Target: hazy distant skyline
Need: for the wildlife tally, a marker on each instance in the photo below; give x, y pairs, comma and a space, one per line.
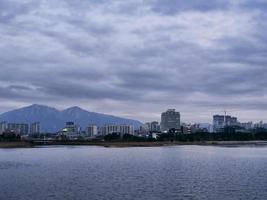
134, 58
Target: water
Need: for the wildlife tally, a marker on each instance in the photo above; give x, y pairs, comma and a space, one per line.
152, 173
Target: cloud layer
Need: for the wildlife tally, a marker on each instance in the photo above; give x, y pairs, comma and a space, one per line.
136, 58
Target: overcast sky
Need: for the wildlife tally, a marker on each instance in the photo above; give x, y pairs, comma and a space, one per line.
136, 58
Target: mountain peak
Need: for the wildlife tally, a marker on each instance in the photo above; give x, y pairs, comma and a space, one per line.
74, 109
37, 107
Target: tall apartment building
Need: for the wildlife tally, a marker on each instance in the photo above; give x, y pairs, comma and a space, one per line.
170, 120
3, 127
220, 121
35, 128
20, 129
230, 121
91, 131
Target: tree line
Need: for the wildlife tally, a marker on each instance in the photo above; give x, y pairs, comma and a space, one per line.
9, 136
226, 135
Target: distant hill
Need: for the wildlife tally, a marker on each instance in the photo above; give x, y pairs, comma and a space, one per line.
53, 120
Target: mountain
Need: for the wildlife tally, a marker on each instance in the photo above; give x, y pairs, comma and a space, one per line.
53, 120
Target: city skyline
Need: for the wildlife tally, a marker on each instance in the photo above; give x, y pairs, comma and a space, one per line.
205, 115
170, 122
136, 58
37, 108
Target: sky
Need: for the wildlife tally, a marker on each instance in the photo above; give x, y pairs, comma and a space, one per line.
136, 58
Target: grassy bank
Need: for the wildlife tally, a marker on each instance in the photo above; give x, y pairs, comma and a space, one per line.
15, 144
150, 144
25, 144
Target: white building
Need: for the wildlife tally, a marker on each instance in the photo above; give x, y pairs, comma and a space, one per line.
91, 131
120, 129
71, 131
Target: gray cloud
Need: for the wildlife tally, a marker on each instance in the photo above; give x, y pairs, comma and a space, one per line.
135, 58
175, 6
10, 10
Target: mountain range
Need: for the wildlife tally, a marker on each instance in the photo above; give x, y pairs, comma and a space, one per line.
53, 120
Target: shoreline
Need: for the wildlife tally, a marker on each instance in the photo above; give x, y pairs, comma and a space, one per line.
32, 144
15, 144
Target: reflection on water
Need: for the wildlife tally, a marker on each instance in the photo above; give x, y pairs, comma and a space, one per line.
180, 172
9, 165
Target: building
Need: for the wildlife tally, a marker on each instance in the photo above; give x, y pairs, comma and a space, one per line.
91, 131
147, 126
186, 128
119, 129
260, 125
201, 127
220, 121
247, 125
72, 127
20, 129
153, 126
3, 127
170, 120
230, 121
71, 131
35, 128
142, 131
